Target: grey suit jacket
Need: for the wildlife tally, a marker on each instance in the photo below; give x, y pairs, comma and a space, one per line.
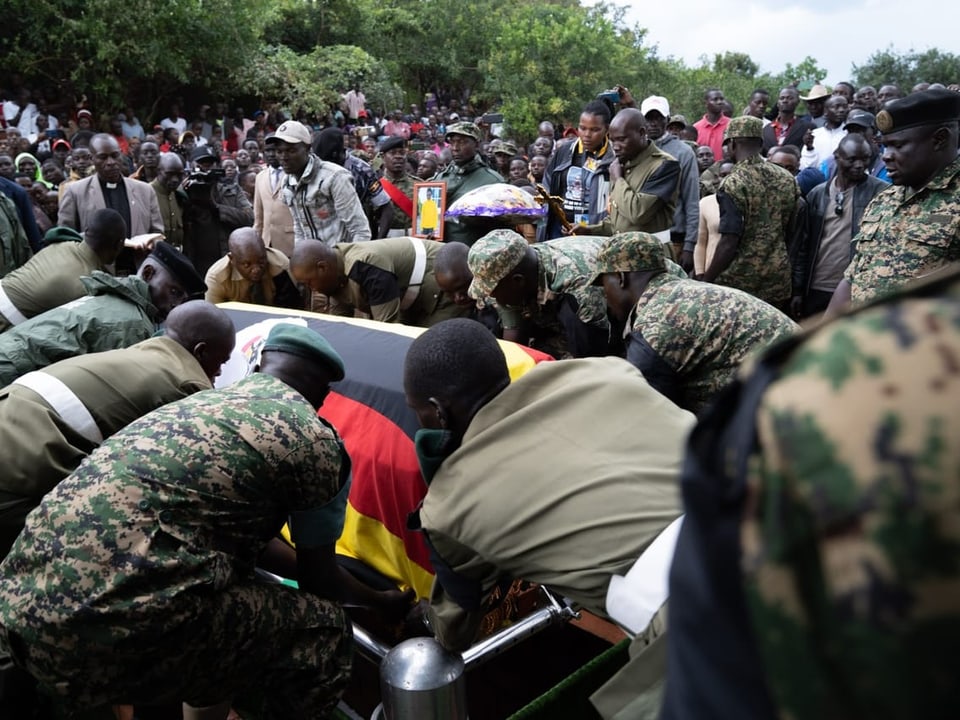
84, 197
271, 218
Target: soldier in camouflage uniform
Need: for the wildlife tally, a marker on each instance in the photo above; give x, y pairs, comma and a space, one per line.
914, 227
134, 579
543, 292
819, 549
687, 338
758, 208
53, 418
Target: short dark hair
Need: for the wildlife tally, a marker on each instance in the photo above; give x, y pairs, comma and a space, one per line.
454, 359
598, 108
759, 91
788, 149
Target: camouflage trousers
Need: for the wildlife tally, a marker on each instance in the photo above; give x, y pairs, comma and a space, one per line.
292, 649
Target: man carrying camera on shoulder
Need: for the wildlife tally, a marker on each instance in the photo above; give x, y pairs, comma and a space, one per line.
213, 210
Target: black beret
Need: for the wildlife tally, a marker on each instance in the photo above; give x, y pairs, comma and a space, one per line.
929, 107
392, 143
180, 267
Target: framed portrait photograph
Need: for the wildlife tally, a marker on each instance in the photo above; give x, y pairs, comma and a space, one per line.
429, 207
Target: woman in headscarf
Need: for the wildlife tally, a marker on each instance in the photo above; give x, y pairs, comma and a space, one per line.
27, 163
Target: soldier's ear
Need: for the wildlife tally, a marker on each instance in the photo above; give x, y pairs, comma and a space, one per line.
198, 351
940, 136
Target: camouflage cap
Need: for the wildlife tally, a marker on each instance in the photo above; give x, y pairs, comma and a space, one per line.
629, 252
305, 343
929, 107
745, 126
467, 129
505, 147
492, 258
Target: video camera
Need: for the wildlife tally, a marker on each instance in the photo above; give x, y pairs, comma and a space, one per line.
205, 177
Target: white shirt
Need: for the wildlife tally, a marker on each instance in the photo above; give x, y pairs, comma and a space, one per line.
825, 141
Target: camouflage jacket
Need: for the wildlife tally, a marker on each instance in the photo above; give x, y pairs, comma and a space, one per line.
566, 266
688, 338
765, 197
167, 513
904, 236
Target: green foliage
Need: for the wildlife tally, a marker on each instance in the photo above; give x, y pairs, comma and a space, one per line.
806, 74
100, 46
887, 66
313, 82
549, 60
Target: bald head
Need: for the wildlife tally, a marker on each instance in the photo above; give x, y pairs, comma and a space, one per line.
247, 253
628, 134
205, 331
105, 234
452, 256
314, 264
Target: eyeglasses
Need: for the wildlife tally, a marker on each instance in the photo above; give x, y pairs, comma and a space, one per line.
840, 198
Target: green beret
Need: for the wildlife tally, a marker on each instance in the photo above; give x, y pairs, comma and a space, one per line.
492, 258
306, 343
930, 107
629, 252
180, 267
745, 126
464, 128
61, 234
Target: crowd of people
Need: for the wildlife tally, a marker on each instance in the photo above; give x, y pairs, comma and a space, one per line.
817, 466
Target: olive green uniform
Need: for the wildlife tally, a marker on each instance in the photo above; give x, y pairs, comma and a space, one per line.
50, 278
40, 445
378, 275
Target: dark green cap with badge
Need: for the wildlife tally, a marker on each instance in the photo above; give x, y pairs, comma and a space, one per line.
629, 252
492, 258
930, 107
464, 128
306, 343
180, 267
745, 126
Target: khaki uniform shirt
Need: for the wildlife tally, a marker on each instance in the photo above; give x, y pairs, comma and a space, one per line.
224, 283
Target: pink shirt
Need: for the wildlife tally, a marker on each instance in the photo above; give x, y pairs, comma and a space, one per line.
711, 134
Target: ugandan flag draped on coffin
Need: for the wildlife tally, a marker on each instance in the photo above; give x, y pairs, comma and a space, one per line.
369, 411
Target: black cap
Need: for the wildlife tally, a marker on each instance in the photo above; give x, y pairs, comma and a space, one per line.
180, 267
204, 152
929, 107
861, 118
392, 143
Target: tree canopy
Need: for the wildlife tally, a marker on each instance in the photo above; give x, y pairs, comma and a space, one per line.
532, 59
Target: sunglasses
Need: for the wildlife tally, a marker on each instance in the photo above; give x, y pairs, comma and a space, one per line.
840, 198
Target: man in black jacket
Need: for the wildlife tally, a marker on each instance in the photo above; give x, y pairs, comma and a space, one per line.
834, 209
787, 128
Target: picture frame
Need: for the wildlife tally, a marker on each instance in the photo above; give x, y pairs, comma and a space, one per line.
429, 208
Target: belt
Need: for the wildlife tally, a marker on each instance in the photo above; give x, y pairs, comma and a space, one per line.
64, 402
9, 310
416, 277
